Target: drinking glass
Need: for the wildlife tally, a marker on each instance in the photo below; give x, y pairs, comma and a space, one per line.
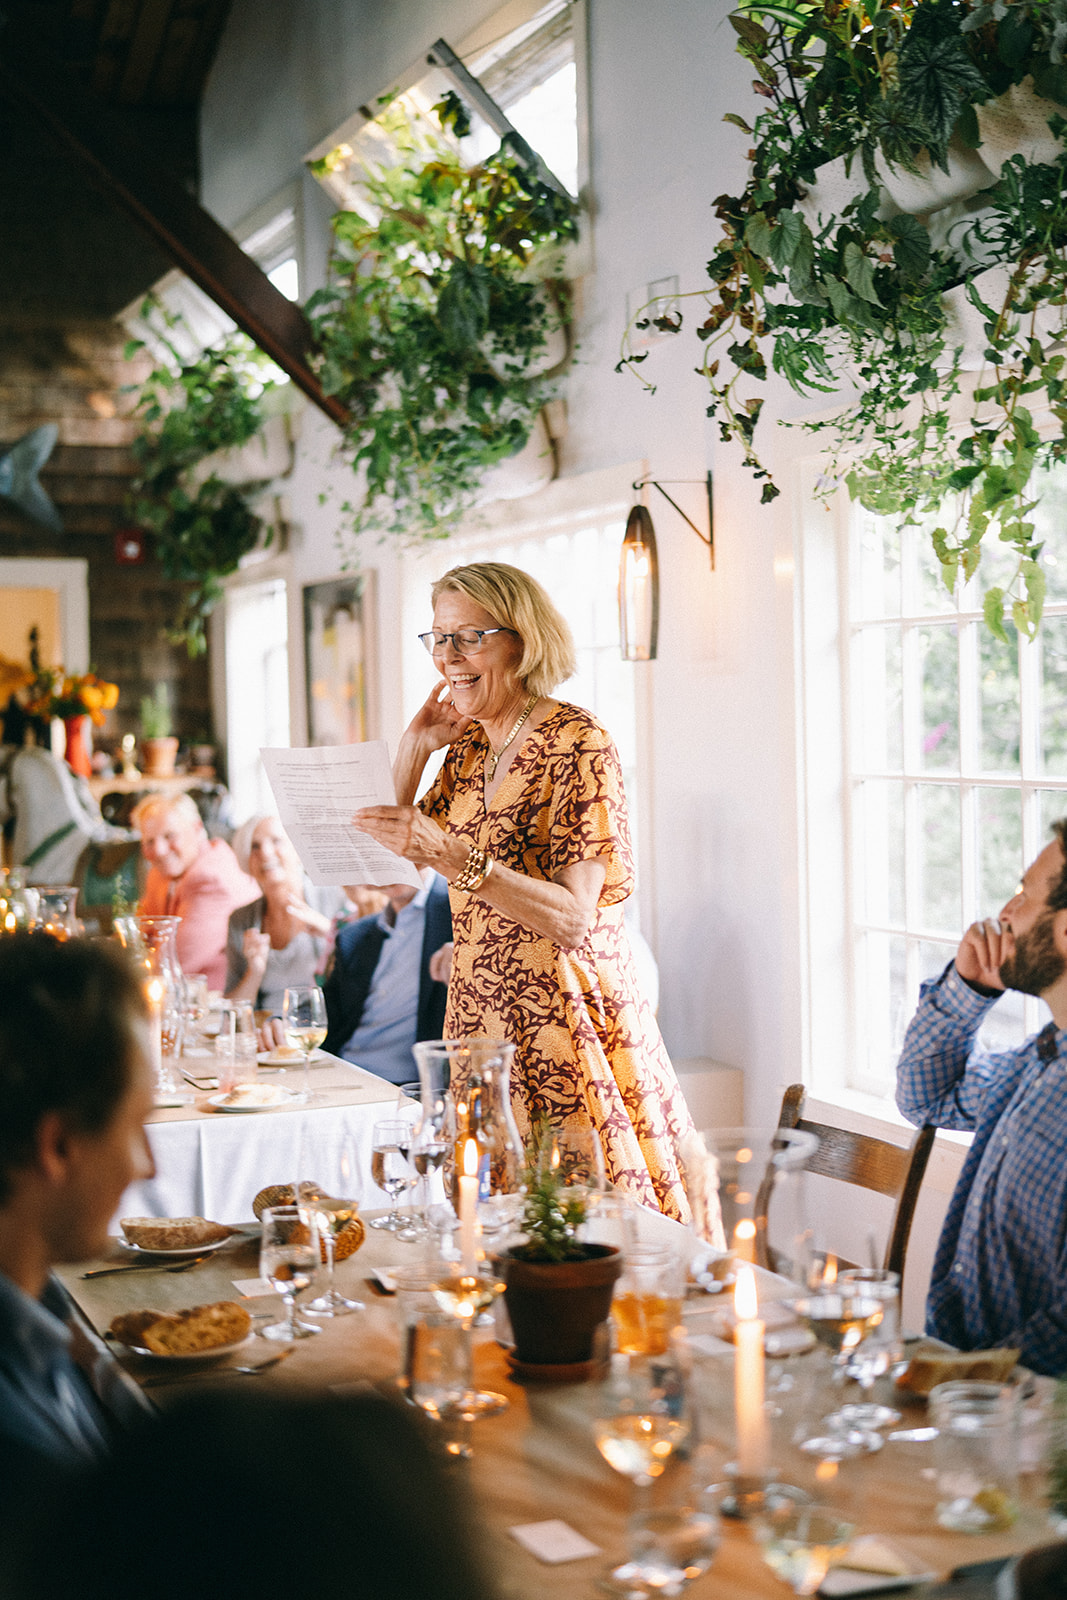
328, 1214
464, 1296
304, 1020
433, 1140
840, 1320
236, 1062
642, 1420
877, 1350
392, 1171
798, 1540
976, 1455
289, 1260
648, 1300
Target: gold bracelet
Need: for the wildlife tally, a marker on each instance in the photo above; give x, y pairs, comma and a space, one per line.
474, 871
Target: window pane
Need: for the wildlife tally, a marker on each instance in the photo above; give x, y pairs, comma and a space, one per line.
925, 582
940, 741
880, 838
879, 740
1053, 807
877, 569
1050, 523
1053, 640
934, 957
881, 967
1004, 1027
998, 699
1000, 847
939, 862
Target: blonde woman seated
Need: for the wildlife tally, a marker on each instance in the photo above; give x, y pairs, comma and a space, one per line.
282, 939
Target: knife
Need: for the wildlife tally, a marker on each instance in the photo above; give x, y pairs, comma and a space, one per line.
181, 1266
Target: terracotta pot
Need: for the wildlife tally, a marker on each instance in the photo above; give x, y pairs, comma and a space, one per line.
76, 753
556, 1306
158, 756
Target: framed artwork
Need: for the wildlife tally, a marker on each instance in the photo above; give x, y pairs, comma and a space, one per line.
337, 634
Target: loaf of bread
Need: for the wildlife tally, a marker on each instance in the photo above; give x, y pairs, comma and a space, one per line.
930, 1366
172, 1233
179, 1333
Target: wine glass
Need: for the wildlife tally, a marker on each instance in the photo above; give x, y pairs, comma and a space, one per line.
874, 1354
642, 1420
304, 1020
840, 1320
392, 1171
289, 1260
431, 1145
328, 1214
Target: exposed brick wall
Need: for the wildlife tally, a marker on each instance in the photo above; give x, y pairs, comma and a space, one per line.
72, 373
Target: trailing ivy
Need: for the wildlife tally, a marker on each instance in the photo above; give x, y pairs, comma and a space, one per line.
443, 290
192, 408
856, 298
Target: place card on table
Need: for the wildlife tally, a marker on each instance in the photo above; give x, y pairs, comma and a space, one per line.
252, 1288
554, 1542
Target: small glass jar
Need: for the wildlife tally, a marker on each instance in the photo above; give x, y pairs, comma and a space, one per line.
976, 1455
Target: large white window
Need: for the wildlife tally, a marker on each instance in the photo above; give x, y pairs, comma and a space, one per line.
953, 762
257, 689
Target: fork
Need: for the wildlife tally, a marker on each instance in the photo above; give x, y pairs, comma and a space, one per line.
250, 1369
180, 1266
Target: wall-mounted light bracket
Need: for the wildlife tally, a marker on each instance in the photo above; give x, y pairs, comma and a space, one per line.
705, 538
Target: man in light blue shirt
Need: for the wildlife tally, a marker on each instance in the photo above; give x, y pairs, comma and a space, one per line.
75, 1089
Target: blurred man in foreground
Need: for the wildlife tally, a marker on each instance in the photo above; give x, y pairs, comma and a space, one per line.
75, 1088
1000, 1273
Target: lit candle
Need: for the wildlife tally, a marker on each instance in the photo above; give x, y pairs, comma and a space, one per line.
468, 1207
748, 1379
154, 992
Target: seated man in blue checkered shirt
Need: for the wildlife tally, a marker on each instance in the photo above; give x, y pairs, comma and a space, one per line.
1000, 1273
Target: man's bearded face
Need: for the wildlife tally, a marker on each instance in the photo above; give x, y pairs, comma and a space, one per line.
1036, 964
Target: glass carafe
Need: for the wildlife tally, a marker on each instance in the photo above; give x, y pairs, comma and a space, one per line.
151, 943
55, 911
477, 1073
18, 903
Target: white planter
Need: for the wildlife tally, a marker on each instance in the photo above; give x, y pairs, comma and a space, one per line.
531, 469
966, 325
927, 189
556, 353
266, 456
1017, 124
832, 191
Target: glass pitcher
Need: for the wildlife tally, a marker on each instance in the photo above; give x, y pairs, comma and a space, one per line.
151, 944
476, 1073
55, 911
18, 903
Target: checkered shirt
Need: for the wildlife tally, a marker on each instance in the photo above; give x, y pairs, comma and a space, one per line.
1000, 1272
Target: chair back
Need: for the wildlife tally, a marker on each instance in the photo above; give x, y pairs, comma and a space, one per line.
867, 1162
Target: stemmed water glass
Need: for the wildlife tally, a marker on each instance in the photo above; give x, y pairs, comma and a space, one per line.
392, 1171
304, 1020
328, 1214
642, 1420
289, 1260
871, 1355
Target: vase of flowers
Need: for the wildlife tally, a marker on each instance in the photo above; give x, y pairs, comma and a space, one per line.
77, 699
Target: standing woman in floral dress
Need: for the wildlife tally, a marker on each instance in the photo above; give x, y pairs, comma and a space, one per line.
527, 821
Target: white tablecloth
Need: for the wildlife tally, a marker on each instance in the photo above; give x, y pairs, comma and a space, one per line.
212, 1164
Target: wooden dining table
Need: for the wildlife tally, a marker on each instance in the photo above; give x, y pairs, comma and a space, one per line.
536, 1461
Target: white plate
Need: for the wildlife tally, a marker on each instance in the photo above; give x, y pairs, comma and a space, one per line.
222, 1102
271, 1058
186, 1250
192, 1355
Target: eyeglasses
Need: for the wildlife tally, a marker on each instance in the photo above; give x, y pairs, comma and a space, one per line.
465, 641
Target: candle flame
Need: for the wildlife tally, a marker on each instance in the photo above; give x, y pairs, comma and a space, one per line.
746, 1304
155, 990
746, 1229
829, 1271
470, 1158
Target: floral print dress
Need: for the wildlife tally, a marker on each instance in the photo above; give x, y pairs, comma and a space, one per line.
587, 1044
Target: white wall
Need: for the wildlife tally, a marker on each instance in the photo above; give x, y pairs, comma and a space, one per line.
722, 781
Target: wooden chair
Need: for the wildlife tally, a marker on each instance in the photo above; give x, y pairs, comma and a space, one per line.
859, 1159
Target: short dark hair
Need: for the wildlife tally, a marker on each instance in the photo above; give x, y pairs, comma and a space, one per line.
1057, 895
66, 1037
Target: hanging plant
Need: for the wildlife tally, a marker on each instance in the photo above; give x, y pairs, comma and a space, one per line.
831, 275
200, 526
444, 289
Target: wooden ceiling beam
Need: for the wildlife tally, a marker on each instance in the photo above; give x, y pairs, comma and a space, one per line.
141, 61
189, 234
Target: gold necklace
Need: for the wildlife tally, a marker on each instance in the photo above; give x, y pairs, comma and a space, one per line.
493, 757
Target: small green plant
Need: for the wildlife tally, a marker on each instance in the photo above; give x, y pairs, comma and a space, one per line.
157, 722
551, 1216
444, 287
191, 408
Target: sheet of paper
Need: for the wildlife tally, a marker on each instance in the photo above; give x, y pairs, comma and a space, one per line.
317, 791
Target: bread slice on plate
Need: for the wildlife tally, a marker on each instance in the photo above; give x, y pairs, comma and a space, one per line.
931, 1365
172, 1233
183, 1333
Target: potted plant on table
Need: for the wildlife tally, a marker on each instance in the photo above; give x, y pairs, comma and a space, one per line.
159, 747
903, 237
558, 1286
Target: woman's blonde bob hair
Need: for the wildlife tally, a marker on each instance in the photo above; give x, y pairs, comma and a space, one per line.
518, 602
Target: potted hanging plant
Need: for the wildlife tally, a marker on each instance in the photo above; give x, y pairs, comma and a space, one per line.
904, 226
436, 328
558, 1287
198, 410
